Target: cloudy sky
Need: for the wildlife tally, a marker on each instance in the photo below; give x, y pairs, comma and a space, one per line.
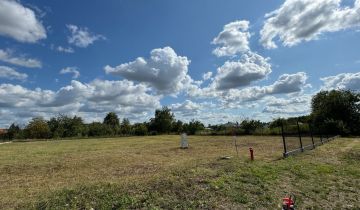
216, 61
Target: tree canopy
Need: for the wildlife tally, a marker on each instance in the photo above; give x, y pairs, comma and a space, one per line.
113, 122
37, 129
163, 120
337, 111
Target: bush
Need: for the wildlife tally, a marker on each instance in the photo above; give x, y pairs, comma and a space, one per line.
126, 127
250, 126
193, 126
63, 126
98, 129
37, 129
140, 129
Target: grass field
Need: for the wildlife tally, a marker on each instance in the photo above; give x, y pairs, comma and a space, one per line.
153, 173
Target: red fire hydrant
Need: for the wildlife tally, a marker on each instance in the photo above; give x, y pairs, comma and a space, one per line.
251, 153
288, 203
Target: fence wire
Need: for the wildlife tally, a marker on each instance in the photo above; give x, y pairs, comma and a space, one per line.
300, 137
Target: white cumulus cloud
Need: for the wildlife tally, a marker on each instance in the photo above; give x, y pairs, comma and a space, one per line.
8, 57
164, 70
11, 74
233, 39
186, 108
207, 75
65, 49
288, 83
348, 81
288, 106
304, 20
285, 84
71, 70
85, 99
19, 22
233, 74
81, 36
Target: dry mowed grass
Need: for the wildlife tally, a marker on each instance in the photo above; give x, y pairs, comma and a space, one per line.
32, 170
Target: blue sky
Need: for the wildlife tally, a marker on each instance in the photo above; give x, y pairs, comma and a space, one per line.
82, 57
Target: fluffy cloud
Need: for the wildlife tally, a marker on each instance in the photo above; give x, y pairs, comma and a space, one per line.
82, 37
244, 95
286, 110
288, 106
286, 83
16, 96
249, 68
124, 93
187, 108
304, 20
233, 39
65, 49
19, 22
9, 73
164, 70
206, 112
71, 70
84, 99
76, 92
207, 75
8, 57
342, 81
278, 102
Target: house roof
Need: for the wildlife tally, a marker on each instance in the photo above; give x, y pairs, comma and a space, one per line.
2, 130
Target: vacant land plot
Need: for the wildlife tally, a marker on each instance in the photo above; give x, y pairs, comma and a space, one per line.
152, 172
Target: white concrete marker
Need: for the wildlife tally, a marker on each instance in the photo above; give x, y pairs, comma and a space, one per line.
184, 142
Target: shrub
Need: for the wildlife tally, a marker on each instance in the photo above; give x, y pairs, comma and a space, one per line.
37, 129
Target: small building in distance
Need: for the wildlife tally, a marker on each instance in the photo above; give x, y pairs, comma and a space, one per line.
3, 131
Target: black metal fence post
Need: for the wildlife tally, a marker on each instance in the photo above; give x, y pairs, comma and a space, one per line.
283, 137
301, 145
321, 138
314, 133
312, 136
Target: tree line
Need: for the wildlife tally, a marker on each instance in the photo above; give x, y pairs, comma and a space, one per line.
332, 112
63, 126
335, 112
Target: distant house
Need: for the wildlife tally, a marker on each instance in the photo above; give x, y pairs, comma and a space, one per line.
3, 131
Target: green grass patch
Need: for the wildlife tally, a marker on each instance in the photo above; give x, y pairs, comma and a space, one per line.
153, 173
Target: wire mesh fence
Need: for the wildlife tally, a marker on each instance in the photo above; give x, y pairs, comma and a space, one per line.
300, 137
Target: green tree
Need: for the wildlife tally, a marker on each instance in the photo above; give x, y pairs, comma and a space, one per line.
112, 121
98, 129
163, 120
125, 127
63, 126
177, 126
276, 123
193, 126
249, 126
74, 127
56, 126
37, 129
140, 129
336, 111
13, 131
